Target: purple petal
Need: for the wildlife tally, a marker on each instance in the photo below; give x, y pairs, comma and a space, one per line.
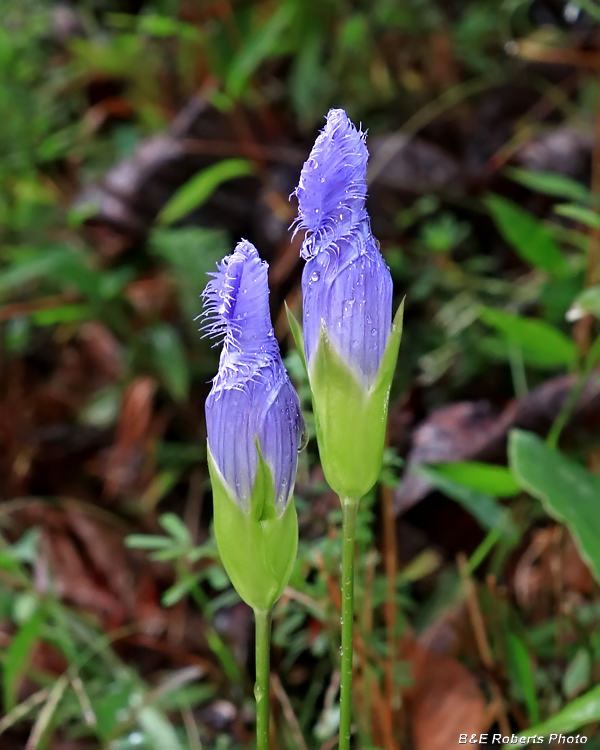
332, 189
347, 286
251, 394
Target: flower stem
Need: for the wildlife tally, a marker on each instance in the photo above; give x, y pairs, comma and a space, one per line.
261, 686
349, 508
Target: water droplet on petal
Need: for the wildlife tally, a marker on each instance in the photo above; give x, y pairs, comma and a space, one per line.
373, 331
314, 276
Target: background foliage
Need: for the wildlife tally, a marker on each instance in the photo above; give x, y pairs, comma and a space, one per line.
138, 142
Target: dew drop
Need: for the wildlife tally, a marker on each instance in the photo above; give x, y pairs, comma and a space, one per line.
314, 276
373, 331
283, 482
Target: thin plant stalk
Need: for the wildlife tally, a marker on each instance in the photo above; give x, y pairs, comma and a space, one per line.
261, 686
349, 509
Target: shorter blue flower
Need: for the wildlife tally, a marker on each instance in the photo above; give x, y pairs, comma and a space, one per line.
251, 398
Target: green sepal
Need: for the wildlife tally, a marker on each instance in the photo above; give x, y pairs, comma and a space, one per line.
297, 334
350, 420
257, 546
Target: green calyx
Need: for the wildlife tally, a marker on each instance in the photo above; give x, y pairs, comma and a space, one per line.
350, 420
257, 546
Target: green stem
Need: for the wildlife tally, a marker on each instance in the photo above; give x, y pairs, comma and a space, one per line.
261, 686
349, 508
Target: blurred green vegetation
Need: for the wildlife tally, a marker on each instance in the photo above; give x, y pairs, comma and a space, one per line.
118, 627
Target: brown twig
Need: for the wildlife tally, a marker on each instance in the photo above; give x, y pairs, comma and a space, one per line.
288, 711
483, 647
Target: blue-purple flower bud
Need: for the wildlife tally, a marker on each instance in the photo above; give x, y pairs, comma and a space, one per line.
347, 287
252, 398
350, 342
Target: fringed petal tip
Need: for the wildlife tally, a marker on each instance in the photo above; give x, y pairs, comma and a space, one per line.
239, 273
333, 183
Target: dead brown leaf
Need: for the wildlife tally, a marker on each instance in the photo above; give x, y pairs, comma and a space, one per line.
444, 702
125, 460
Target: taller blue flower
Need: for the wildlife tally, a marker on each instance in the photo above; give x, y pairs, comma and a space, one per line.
350, 342
254, 429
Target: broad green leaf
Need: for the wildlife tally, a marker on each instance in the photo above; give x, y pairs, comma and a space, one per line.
568, 491
579, 213
485, 509
532, 240
550, 183
496, 481
521, 672
170, 360
201, 186
578, 713
541, 344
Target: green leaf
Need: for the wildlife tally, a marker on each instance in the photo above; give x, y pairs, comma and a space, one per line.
170, 360
588, 301
522, 674
578, 713
550, 183
541, 344
61, 314
485, 509
578, 213
297, 334
30, 265
258, 48
17, 657
176, 592
568, 491
174, 526
532, 240
158, 730
189, 253
201, 186
496, 481
578, 673
147, 541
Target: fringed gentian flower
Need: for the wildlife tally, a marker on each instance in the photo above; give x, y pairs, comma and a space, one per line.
254, 429
350, 342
